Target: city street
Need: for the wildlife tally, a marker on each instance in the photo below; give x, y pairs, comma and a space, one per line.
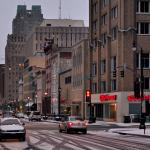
45, 136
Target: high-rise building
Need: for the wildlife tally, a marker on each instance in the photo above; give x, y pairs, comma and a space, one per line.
15, 52
63, 33
2, 85
114, 26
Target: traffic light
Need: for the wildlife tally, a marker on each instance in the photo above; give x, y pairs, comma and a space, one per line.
122, 73
137, 89
114, 73
88, 96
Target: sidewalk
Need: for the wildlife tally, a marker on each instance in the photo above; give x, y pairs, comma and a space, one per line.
132, 131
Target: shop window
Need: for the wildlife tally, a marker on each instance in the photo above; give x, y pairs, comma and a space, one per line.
134, 108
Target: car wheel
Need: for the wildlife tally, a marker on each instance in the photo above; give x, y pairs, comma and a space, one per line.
60, 130
68, 131
85, 132
23, 138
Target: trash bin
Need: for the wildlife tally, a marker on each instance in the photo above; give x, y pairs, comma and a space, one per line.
127, 119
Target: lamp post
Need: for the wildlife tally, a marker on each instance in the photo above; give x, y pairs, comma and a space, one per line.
45, 102
36, 101
59, 93
141, 91
28, 104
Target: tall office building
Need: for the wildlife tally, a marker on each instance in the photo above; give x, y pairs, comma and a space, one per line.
15, 51
2, 85
114, 26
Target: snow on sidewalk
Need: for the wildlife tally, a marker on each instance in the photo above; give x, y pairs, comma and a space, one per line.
134, 131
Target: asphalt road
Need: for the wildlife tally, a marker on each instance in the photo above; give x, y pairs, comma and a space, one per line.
45, 136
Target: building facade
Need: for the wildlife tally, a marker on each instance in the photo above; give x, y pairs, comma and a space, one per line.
80, 78
32, 66
15, 52
2, 85
114, 64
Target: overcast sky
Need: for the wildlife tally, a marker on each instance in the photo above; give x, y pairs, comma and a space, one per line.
73, 9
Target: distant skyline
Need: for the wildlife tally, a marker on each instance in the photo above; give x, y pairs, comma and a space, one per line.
70, 9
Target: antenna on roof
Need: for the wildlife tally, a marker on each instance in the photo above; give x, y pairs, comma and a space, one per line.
59, 9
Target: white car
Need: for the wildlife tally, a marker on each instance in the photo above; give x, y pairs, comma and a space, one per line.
35, 115
73, 123
12, 128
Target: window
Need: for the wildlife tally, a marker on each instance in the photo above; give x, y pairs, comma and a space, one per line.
113, 85
68, 80
94, 87
114, 12
114, 33
113, 63
103, 38
103, 66
94, 69
145, 60
103, 19
143, 6
103, 86
146, 83
143, 28
104, 3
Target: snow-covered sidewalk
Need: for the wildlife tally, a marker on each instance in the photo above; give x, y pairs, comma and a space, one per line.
132, 131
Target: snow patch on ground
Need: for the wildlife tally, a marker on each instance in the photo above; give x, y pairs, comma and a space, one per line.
45, 146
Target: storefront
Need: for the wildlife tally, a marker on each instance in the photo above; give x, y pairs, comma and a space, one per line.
115, 106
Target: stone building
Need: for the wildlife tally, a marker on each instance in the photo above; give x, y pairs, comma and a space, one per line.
114, 27
15, 52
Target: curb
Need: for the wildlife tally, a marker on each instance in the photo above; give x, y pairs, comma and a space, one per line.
122, 133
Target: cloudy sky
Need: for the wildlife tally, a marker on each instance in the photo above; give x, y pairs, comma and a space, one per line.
73, 9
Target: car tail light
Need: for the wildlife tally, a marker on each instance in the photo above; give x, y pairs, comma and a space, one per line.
70, 124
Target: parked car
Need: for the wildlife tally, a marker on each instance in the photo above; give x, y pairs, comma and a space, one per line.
20, 115
73, 123
35, 115
12, 128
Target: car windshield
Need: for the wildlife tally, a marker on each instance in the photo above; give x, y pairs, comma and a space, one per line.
10, 122
75, 118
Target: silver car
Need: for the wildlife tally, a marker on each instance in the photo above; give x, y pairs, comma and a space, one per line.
12, 128
73, 123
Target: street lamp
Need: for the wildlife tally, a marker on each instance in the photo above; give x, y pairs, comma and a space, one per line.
36, 101
45, 104
142, 118
59, 93
28, 104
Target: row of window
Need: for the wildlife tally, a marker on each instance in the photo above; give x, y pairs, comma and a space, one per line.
103, 86
145, 63
103, 66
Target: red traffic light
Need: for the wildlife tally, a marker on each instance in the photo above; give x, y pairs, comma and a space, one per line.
88, 93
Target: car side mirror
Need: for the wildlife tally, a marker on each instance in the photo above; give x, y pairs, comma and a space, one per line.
23, 123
